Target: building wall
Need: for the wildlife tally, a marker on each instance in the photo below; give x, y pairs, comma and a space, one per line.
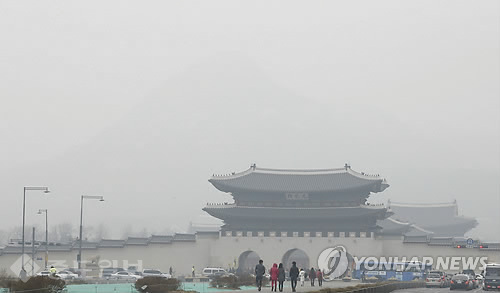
210, 251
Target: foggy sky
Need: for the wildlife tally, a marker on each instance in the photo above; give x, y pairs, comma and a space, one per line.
143, 101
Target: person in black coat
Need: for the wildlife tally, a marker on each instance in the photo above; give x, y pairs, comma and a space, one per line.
260, 270
294, 274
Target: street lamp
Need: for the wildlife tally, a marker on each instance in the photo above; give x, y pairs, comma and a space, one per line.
41, 211
27, 188
98, 197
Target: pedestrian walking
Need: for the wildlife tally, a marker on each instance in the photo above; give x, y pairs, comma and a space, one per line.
294, 274
192, 271
281, 277
312, 276
260, 270
273, 273
319, 276
302, 277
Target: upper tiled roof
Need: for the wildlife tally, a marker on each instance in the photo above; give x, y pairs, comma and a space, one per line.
275, 180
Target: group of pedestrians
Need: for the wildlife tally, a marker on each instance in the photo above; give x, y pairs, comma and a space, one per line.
313, 275
278, 275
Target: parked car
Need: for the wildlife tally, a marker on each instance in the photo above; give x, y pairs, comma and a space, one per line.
67, 275
435, 280
213, 272
44, 273
154, 273
124, 275
107, 272
461, 281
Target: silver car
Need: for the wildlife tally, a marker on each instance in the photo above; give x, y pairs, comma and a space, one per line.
434, 280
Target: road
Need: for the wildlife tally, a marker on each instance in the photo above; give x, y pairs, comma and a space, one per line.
436, 290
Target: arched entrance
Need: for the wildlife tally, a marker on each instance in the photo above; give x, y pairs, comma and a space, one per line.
297, 255
247, 262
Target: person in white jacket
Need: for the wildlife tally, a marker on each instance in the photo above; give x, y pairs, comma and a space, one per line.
302, 277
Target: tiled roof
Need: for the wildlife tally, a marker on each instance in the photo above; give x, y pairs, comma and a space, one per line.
275, 180
391, 226
415, 239
161, 239
428, 216
184, 237
137, 241
57, 247
15, 249
228, 211
86, 245
442, 241
111, 243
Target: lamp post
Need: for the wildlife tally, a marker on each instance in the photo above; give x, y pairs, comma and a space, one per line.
98, 197
27, 188
41, 211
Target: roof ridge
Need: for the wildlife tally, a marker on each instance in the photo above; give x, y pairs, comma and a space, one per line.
253, 168
422, 205
300, 170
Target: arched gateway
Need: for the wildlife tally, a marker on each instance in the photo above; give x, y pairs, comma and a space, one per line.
297, 255
247, 261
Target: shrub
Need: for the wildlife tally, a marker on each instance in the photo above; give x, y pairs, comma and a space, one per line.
38, 284
5, 279
230, 281
235, 281
157, 284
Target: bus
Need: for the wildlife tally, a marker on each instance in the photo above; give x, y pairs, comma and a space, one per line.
398, 271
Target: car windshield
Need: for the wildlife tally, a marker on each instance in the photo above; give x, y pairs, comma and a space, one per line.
434, 276
152, 272
460, 277
492, 272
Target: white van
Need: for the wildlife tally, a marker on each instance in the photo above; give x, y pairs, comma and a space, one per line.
210, 272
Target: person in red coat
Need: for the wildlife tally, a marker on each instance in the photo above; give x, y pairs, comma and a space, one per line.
274, 277
319, 276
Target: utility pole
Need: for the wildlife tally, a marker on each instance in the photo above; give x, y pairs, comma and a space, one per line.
33, 253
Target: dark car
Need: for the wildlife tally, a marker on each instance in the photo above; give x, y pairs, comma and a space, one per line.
461, 281
472, 274
491, 278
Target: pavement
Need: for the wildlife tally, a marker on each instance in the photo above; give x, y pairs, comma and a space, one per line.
306, 288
